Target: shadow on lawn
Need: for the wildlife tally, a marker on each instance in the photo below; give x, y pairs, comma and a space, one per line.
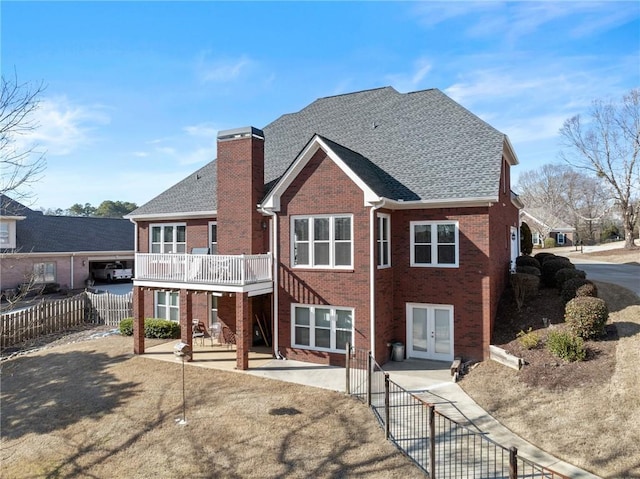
63, 388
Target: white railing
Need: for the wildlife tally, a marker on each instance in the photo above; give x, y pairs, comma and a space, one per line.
234, 270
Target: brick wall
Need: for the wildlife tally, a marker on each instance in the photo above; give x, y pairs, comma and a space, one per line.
467, 287
322, 188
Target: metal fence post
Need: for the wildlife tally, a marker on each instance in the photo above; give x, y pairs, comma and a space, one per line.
347, 367
387, 406
513, 462
432, 441
369, 378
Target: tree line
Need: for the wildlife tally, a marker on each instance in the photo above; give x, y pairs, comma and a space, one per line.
106, 209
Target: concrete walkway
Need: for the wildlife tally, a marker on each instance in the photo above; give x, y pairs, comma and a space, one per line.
429, 380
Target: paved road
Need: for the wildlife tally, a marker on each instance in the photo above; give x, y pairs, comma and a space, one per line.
625, 275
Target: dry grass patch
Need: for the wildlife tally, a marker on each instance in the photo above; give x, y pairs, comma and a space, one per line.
587, 414
92, 409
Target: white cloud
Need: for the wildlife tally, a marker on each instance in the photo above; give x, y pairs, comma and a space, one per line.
140, 154
64, 126
221, 70
405, 82
206, 130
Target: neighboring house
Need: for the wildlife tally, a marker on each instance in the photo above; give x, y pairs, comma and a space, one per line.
57, 249
545, 225
366, 218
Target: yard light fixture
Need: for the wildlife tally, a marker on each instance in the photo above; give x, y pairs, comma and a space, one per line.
182, 350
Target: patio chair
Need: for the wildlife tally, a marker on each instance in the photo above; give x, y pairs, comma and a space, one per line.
214, 332
228, 337
198, 331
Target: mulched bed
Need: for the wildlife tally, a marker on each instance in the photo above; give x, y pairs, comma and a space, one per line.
543, 369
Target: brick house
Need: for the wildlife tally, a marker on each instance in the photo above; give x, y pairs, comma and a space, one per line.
545, 225
366, 218
57, 250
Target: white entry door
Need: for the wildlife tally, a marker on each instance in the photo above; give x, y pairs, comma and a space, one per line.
515, 247
430, 331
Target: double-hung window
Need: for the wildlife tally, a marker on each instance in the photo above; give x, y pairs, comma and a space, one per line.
213, 237
325, 328
561, 238
44, 272
434, 243
167, 305
168, 238
384, 241
322, 241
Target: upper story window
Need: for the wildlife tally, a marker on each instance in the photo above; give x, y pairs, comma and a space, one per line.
5, 239
169, 238
434, 243
322, 241
213, 237
384, 240
44, 272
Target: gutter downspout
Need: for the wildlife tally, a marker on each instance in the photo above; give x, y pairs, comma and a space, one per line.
274, 249
372, 275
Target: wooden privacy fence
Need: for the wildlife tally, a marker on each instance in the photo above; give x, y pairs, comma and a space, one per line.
54, 316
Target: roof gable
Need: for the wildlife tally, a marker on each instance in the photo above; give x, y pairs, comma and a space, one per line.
344, 158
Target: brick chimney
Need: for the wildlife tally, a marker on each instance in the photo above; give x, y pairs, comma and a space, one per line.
240, 189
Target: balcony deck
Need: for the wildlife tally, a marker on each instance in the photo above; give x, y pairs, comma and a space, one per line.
207, 272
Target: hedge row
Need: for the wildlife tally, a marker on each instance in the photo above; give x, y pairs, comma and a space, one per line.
153, 328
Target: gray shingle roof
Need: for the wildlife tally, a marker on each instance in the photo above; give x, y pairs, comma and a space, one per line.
412, 146
39, 233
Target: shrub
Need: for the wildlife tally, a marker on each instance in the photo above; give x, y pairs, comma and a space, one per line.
566, 346
161, 328
541, 257
586, 316
549, 242
571, 286
587, 289
550, 267
565, 274
528, 270
126, 327
524, 286
526, 239
153, 328
527, 261
528, 340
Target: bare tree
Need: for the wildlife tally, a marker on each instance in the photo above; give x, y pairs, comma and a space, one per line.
20, 163
608, 144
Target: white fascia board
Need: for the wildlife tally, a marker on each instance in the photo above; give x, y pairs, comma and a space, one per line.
173, 216
511, 156
444, 203
12, 218
272, 201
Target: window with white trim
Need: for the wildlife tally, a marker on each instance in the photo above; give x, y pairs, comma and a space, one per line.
322, 241
561, 238
167, 305
536, 238
44, 272
168, 238
213, 237
384, 240
325, 328
5, 239
434, 244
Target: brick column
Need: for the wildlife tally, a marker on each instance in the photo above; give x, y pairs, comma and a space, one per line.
186, 315
138, 320
243, 330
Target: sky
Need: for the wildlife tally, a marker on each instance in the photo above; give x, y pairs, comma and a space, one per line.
137, 91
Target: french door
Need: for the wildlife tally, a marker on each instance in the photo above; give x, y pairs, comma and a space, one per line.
430, 331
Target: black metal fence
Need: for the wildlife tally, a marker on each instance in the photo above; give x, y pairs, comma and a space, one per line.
441, 447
